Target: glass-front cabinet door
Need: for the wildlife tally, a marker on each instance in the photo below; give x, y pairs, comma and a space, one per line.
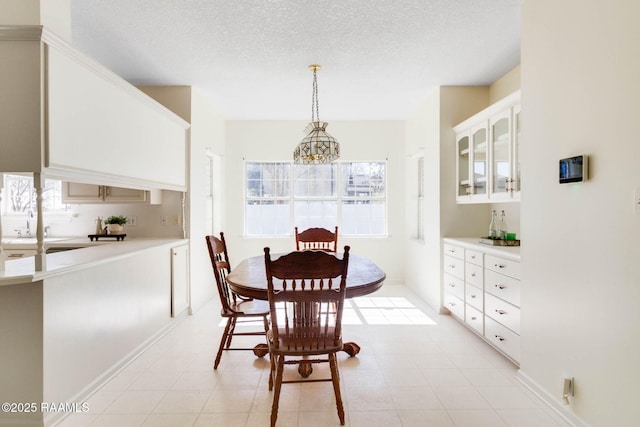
516, 182
480, 168
488, 153
463, 167
501, 166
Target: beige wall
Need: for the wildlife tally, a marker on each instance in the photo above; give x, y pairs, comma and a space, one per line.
505, 85
207, 134
54, 14
580, 274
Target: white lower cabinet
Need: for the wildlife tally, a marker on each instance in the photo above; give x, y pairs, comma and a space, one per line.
19, 253
481, 288
474, 319
455, 305
502, 338
180, 298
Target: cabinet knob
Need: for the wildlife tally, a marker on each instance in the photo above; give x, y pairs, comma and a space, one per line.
473, 296
499, 337
452, 266
452, 304
501, 312
500, 286
452, 285
473, 317
473, 274
499, 265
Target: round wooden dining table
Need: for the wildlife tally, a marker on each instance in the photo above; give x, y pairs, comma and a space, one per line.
249, 279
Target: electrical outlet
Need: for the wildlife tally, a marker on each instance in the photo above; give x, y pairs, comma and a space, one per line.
176, 220
164, 221
568, 385
133, 221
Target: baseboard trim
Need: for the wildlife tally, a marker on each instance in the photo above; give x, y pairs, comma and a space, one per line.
552, 401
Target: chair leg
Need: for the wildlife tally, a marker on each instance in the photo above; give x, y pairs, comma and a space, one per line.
335, 379
272, 370
225, 335
232, 329
276, 393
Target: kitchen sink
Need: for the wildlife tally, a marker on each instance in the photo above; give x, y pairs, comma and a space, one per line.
62, 249
31, 240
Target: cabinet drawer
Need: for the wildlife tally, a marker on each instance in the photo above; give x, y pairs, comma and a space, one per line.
502, 338
474, 319
19, 253
504, 287
474, 296
473, 274
454, 251
503, 312
502, 266
454, 267
474, 257
454, 286
454, 304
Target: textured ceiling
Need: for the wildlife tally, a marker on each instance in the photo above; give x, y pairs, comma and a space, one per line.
380, 58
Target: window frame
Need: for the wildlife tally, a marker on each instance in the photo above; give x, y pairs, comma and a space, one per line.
7, 209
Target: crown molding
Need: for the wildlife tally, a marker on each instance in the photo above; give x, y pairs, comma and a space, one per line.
20, 32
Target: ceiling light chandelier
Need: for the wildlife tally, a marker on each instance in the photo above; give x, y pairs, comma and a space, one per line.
318, 146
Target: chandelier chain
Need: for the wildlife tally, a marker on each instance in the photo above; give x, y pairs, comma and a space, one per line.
314, 99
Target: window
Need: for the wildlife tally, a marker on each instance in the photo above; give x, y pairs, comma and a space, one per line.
281, 196
420, 198
20, 196
268, 199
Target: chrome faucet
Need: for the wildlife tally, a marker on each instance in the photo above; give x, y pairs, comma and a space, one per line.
29, 218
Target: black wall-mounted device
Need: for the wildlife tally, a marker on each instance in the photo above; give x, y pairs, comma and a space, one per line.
574, 169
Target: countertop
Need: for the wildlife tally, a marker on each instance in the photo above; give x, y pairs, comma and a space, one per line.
51, 242
508, 252
22, 270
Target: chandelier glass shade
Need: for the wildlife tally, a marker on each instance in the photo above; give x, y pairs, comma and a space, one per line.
318, 146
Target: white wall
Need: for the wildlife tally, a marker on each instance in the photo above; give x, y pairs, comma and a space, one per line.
207, 134
580, 270
430, 129
359, 141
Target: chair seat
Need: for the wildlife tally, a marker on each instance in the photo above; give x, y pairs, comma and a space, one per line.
307, 345
247, 308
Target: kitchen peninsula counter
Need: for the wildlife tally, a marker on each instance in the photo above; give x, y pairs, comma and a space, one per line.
67, 330
89, 254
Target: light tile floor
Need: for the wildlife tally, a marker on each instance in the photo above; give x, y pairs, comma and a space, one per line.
416, 368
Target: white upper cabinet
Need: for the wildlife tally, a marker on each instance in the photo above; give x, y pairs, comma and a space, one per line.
69, 117
488, 167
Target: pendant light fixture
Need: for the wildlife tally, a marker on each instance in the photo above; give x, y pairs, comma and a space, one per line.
318, 146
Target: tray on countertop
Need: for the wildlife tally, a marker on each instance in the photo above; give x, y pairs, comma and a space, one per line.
118, 237
499, 242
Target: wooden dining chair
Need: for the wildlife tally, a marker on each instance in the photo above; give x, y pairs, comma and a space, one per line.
306, 292
235, 308
317, 239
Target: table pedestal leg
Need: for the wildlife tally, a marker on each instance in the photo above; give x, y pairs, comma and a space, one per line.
261, 350
351, 348
305, 369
